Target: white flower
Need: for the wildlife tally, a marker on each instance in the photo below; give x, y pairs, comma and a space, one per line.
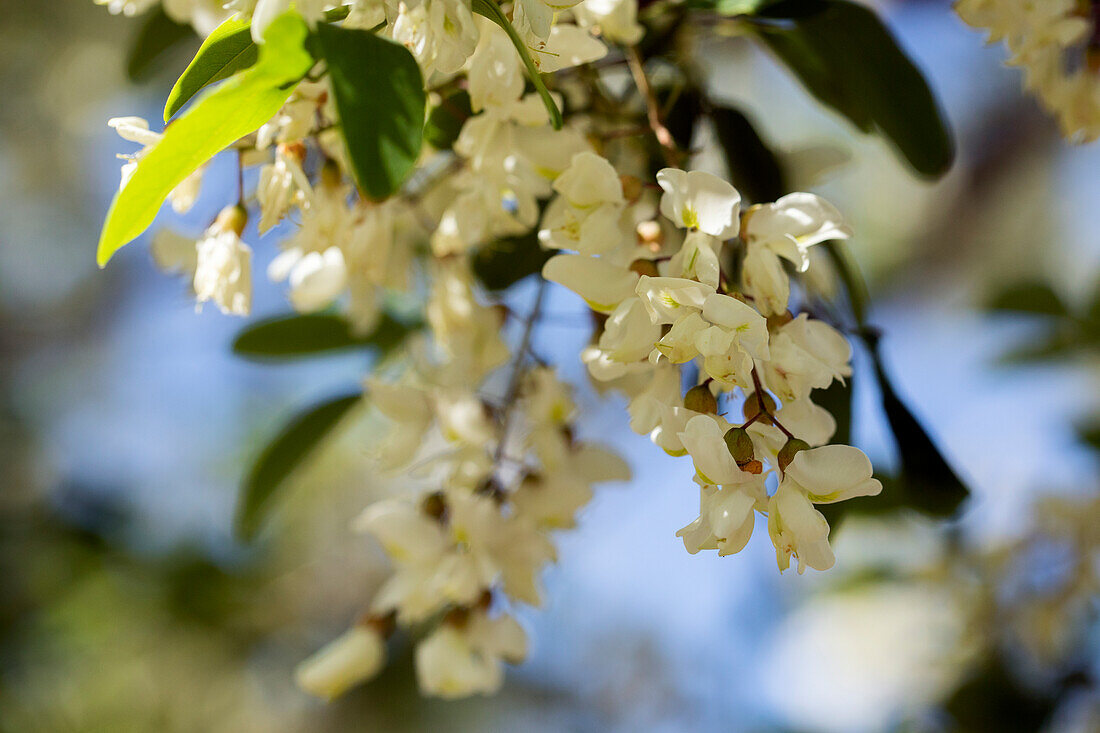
461, 660
629, 333
700, 200
566, 47
282, 184
704, 439
602, 284
441, 34
793, 224
832, 473
617, 20
697, 259
806, 354
764, 280
822, 475
316, 278
725, 522
223, 271
668, 299
796, 528
352, 658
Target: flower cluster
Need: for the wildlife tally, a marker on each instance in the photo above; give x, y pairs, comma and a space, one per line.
1055, 43
687, 287
499, 475
671, 307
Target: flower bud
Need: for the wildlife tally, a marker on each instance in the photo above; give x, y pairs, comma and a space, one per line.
777, 321
700, 399
752, 408
434, 505
645, 267
632, 187
354, 657
331, 175
232, 219
789, 451
740, 447
649, 234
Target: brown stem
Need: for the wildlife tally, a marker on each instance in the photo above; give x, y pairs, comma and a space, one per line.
652, 108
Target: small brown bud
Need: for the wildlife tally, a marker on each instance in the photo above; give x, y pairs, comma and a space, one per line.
752, 408
232, 219
632, 187
740, 447
700, 399
754, 467
434, 505
457, 617
383, 624
777, 321
790, 450
331, 175
294, 150
645, 267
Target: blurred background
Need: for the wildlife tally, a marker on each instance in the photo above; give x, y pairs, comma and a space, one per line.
126, 422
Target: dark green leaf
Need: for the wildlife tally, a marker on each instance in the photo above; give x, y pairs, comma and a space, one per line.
1090, 434
159, 34
754, 169
492, 11
837, 399
380, 98
993, 699
1060, 343
927, 482
289, 337
445, 121
506, 261
214, 122
227, 50
844, 55
1029, 297
285, 453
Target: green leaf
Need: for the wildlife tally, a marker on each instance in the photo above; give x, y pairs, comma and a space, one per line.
216, 121
445, 121
844, 55
1029, 297
492, 11
294, 443
380, 98
226, 51
506, 261
1089, 433
289, 337
158, 35
754, 169
927, 481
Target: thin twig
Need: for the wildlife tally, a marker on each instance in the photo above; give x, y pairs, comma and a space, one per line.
652, 108
515, 381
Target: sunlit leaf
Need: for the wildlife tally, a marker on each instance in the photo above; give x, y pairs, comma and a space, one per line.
380, 99
227, 50
844, 55
216, 120
289, 337
293, 445
158, 35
